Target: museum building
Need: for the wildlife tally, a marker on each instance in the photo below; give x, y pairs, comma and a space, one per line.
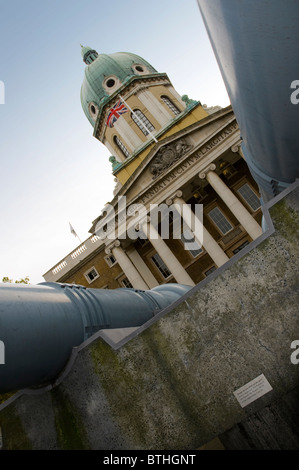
173, 160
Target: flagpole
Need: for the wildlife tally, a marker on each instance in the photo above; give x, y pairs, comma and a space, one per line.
139, 120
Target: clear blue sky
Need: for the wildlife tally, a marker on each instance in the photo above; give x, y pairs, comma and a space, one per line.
52, 168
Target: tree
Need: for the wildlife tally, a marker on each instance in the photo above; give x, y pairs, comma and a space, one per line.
24, 280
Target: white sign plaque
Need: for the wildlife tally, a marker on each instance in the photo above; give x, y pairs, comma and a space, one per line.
252, 390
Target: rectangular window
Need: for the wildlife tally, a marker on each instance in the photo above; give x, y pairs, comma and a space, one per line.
220, 220
161, 266
240, 247
171, 105
210, 271
190, 243
110, 260
142, 238
142, 122
126, 283
91, 275
249, 196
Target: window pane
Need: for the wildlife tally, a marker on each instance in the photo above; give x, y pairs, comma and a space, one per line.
220, 220
240, 247
121, 147
170, 105
161, 266
126, 283
91, 275
142, 122
210, 271
110, 260
190, 243
249, 196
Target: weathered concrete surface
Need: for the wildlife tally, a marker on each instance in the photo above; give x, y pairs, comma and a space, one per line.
171, 386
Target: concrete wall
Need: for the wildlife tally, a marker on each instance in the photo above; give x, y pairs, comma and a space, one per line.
170, 384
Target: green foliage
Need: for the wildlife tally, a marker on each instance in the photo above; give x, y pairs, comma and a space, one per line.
24, 280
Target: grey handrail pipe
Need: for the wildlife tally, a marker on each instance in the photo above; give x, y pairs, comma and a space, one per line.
40, 325
256, 46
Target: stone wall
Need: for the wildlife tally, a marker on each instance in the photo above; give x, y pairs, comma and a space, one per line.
170, 384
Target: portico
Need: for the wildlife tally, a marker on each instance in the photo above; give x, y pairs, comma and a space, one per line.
177, 157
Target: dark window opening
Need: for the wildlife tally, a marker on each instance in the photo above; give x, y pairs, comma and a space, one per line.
110, 83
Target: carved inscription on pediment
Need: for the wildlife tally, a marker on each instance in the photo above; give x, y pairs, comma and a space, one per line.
167, 156
187, 163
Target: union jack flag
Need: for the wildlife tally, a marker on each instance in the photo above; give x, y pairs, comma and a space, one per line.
115, 113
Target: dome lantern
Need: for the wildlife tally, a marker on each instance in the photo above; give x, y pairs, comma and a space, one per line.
88, 54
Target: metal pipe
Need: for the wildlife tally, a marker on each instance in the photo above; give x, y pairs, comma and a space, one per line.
256, 47
40, 325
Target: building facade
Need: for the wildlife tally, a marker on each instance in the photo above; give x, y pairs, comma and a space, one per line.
184, 201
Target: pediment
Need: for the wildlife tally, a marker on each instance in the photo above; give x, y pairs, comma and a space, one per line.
169, 152
180, 150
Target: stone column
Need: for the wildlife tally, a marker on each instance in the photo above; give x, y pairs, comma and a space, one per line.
174, 266
126, 265
142, 268
203, 238
235, 206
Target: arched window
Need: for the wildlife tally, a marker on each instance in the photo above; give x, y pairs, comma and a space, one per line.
170, 105
121, 146
142, 122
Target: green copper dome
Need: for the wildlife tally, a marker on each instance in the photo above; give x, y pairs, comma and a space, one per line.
105, 74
